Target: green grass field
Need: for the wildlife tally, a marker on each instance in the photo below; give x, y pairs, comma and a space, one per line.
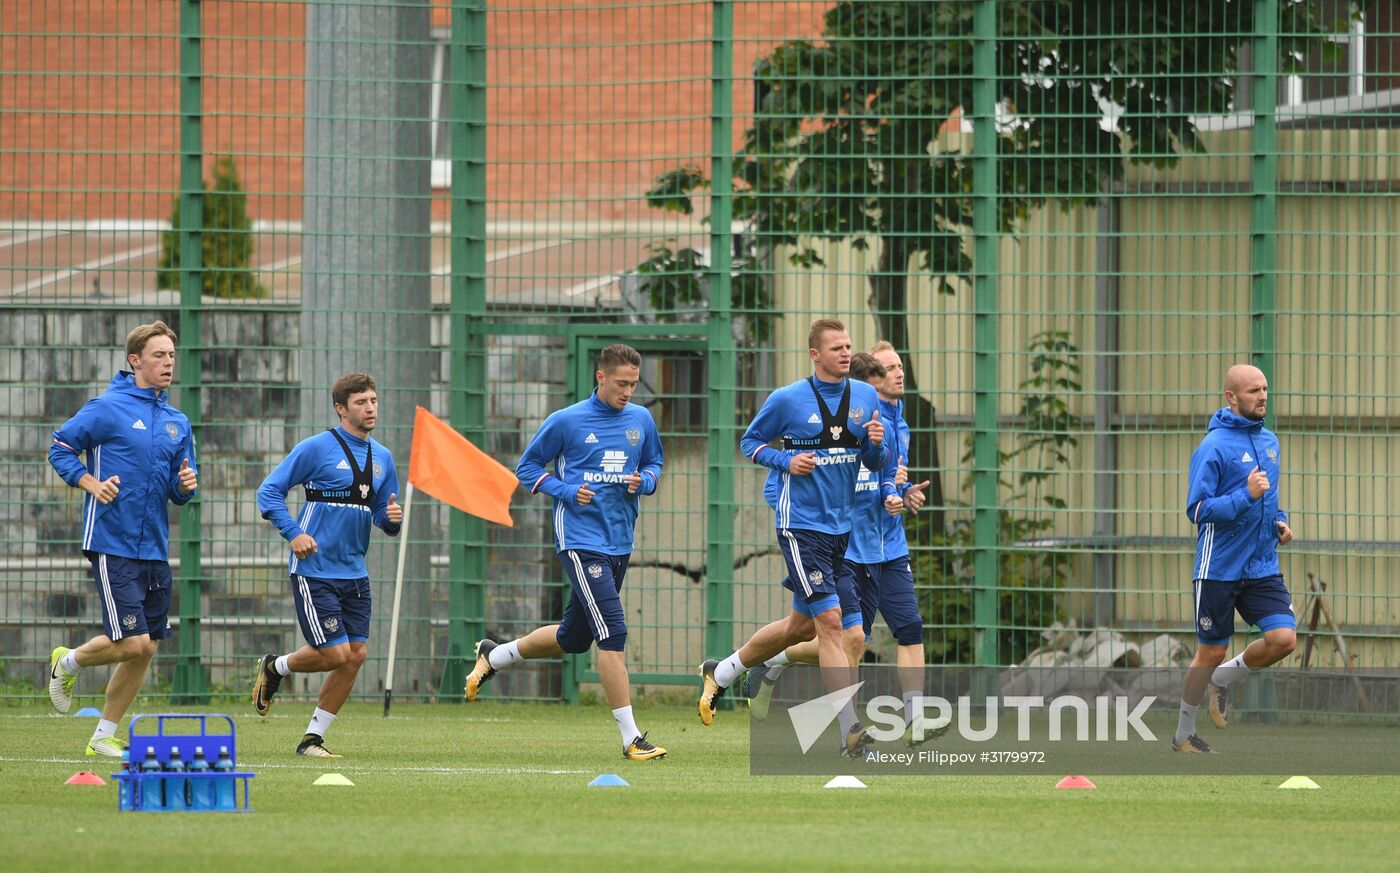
499, 787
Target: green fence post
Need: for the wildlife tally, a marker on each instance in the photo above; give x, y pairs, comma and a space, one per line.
468, 337
986, 451
189, 684
719, 486
1263, 227
1261, 696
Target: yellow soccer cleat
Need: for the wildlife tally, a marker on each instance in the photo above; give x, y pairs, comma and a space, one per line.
60, 681
641, 750
1193, 744
312, 746
482, 671
107, 747
710, 692
1217, 698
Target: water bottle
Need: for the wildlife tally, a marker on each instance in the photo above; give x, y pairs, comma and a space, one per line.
225, 792
152, 786
175, 786
198, 792
125, 782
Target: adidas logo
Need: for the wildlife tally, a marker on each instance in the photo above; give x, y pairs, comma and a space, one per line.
138, 425
815, 419
342, 465
1247, 459
591, 439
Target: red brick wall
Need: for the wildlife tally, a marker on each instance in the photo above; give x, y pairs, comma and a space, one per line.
565, 142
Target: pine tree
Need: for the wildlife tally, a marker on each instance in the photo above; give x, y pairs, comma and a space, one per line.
227, 240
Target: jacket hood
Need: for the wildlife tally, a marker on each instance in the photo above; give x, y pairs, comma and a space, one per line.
124, 382
1227, 418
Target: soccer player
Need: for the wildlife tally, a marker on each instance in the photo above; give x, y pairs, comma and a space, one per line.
1233, 502
349, 483
827, 424
870, 503
606, 453
140, 456
877, 559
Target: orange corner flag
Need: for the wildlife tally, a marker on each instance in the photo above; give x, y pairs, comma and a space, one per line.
446, 465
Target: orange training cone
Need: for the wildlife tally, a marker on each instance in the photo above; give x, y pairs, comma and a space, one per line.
1075, 782
83, 777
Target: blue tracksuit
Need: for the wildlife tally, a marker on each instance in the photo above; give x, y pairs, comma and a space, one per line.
872, 528
1237, 537
820, 501
592, 443
137, 436
341, 530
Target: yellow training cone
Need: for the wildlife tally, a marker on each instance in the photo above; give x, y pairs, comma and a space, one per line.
332, 779
1299, 782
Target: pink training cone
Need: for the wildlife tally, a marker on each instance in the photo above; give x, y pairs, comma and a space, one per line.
83, 777
1075, 782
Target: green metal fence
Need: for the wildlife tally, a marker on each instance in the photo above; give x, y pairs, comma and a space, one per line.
1069, 218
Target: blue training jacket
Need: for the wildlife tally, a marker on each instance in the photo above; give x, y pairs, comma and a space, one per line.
591, 442
136, 435
821, 501
1236, 535
877, 536
341, 530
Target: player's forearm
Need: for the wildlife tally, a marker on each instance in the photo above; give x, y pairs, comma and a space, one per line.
1214, 510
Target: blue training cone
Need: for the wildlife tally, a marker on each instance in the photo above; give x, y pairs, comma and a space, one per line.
88, 712
609, 780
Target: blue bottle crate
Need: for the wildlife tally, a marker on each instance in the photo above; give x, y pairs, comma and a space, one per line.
212, 790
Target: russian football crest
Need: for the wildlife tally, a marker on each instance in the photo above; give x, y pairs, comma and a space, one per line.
129, 622
634, 436
331, 624
595, 571
173, 430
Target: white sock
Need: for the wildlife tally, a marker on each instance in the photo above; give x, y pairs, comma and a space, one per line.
626, 724
321, 722
729, 670
506, 654
846, 719
105, 728
777, 664
69, 662
1186, 720
282, 667
913, 701
1230, 672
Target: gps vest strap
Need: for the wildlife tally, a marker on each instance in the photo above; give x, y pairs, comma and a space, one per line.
360, 491
835, 432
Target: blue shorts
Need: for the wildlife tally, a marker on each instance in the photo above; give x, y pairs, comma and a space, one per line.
814, 560
889, 586
594, 612
848, 592
133, 596
1264, 603
332, 611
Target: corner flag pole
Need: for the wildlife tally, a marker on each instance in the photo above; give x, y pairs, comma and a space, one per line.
398, 591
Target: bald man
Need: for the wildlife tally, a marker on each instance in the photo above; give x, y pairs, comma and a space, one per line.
1233, 501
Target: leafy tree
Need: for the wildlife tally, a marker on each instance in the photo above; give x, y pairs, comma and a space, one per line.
227, 235
847, 139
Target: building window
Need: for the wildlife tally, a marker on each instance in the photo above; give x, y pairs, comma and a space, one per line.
440, 111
